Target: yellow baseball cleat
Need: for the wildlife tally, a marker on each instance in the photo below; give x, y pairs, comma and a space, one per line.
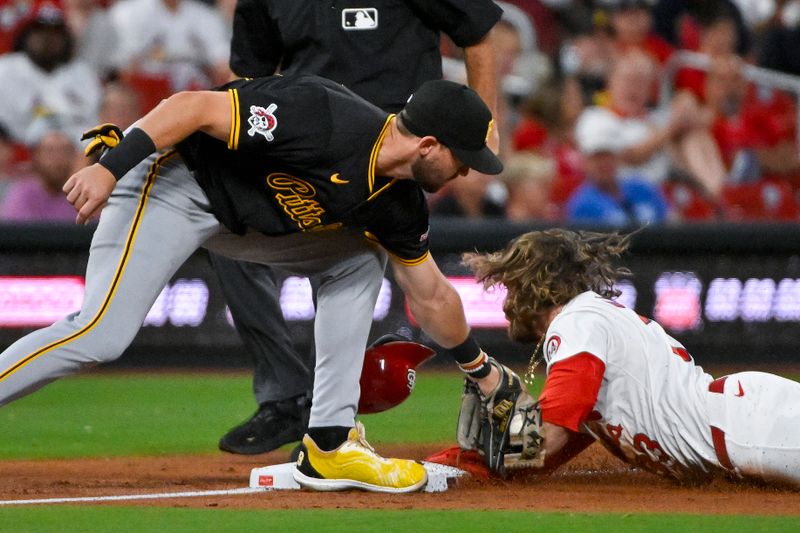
355, 465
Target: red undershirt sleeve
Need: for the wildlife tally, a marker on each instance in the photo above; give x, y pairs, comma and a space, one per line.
570, 390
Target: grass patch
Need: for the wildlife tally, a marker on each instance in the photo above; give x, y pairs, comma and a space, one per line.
117, 414
62, 518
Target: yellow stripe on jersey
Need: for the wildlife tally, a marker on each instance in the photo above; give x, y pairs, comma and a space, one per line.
233, 136
233, 119
412, 262
371, 237
407, 262
376, 193
373, 156
151, 176
238, 120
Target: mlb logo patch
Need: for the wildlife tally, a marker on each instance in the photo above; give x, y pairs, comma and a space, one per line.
360, 18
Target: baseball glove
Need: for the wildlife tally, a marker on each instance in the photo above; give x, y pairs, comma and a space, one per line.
104, 137
468, 432
525, 436
504, 427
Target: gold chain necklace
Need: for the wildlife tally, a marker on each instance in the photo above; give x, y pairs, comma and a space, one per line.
530, 373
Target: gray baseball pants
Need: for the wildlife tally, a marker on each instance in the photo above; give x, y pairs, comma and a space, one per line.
155, 219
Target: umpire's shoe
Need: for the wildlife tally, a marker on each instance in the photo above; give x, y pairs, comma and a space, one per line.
272, 426
355, 465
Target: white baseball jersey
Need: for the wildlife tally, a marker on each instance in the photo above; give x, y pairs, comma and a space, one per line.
179, 43
650, 408
71, 92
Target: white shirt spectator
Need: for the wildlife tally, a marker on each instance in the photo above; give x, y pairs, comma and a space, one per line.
182, 43
94, 36
71, 92
628, 132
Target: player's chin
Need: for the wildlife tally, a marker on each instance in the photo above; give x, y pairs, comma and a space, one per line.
430, 178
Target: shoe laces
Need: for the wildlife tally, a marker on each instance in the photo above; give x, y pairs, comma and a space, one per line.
361, 438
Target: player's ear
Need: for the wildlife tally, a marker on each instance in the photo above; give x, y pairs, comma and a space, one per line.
426, 144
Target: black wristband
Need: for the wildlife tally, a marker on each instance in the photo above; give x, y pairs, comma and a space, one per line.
466, 352
132, 150
470, 358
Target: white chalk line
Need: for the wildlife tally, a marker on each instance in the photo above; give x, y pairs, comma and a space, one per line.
127, 497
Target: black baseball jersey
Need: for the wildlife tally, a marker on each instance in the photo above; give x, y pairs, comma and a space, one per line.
301, 156
383, 50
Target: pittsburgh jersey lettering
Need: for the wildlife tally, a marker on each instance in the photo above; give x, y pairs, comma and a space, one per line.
305, 178
297, 198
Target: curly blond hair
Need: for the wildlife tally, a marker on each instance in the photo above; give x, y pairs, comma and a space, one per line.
545, 269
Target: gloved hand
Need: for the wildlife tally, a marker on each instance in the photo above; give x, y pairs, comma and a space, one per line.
503, 426
104, 137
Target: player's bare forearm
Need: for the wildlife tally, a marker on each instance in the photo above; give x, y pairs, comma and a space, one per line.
560, 445
171, 121
442, 319
479, 60
184, 113
433, 301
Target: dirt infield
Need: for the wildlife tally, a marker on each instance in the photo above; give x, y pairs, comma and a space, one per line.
593, 482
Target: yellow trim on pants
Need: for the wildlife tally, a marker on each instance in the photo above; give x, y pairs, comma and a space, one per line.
151, 176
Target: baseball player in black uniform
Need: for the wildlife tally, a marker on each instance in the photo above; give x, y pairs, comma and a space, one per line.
383, 53
297, 172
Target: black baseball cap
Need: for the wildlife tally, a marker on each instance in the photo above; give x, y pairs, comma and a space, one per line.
458, 118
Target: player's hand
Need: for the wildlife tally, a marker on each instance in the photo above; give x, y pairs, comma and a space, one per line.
88, 190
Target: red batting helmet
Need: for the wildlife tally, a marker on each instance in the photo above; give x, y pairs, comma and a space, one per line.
388, 375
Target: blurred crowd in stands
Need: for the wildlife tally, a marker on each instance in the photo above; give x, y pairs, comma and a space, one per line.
602, 121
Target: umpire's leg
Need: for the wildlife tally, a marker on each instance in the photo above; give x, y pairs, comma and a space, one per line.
252, 294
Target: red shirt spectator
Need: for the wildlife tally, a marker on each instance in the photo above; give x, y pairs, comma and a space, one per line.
764, 121
756, 136
716, 38
746, 118
546, 129
533, 137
